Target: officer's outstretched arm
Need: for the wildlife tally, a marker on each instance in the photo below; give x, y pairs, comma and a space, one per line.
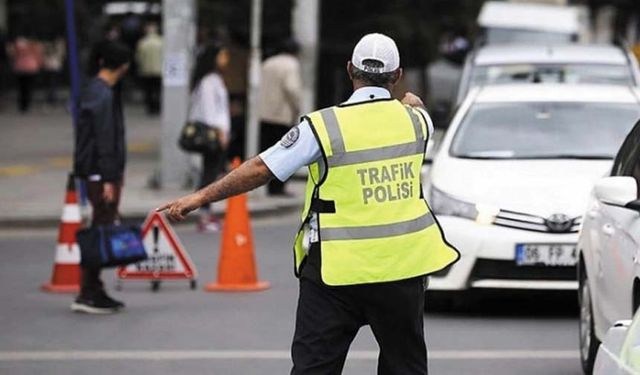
246, 177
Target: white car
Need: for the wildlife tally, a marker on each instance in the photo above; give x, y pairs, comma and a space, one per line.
512, 177
609, 250
508, 22
619, 353
559, 63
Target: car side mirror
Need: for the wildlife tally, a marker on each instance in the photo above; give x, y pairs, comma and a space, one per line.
617, 191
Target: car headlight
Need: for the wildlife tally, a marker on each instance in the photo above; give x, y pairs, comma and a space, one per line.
444, 204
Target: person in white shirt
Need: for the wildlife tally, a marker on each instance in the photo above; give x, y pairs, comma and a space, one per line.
149, 59
279, 104
210, 105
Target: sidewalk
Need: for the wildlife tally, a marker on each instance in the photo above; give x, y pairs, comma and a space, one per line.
35, 158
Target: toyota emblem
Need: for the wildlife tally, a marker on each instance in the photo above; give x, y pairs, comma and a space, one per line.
559, 223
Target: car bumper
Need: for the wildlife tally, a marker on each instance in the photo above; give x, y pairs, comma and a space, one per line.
487, 259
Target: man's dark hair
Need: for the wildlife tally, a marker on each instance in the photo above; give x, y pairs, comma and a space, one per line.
113, 55
373, 79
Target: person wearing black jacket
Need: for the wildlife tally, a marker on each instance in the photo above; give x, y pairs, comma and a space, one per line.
99, 158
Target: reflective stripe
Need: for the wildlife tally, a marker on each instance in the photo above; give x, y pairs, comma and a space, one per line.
417, 126
333, 130
67, 254
376, 154
377, 231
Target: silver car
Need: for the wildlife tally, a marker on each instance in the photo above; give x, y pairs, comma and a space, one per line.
566, 63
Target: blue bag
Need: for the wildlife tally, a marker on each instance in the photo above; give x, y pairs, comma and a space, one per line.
110, 246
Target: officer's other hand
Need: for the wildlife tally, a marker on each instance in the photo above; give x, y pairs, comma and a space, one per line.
412, 99
178, 209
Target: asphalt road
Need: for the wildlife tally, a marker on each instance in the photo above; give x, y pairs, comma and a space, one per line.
180, 331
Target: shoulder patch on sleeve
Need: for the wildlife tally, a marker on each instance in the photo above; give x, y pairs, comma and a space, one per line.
290, 138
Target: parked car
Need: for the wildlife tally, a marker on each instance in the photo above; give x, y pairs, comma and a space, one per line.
609, 250
512, 177
619, 353
510, 22
560, 63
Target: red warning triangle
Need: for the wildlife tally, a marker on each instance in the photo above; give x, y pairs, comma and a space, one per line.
167, 257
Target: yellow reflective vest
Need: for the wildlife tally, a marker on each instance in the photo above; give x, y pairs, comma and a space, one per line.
373, 223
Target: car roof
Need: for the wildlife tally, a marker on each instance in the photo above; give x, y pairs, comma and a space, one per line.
552, 92
550, 54
542, 17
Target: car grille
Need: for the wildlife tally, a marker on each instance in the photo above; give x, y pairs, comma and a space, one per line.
508, 270
512, 219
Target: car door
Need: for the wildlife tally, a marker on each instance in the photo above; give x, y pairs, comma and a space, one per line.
617, 250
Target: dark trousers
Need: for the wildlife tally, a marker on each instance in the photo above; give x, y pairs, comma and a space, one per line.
270, 134
328, 319
25, 90
103, 214
152, 89
212, 166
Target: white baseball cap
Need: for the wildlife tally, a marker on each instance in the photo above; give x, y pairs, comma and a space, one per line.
378, 47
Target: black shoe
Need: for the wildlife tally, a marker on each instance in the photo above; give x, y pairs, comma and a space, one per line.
118, 304
96, 305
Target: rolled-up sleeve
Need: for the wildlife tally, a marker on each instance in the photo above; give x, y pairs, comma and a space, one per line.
284, 158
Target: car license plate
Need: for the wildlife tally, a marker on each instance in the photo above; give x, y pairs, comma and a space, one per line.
532, 254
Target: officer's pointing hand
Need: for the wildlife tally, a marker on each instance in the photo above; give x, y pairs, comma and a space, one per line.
412, 100
178, 209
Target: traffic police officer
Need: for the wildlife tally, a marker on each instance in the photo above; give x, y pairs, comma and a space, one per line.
368, 237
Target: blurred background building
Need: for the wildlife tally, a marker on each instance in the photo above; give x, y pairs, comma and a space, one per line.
433, 36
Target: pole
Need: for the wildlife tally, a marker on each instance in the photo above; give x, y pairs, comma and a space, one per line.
74, 68
253, 88
178, 17
306, 18
3, 16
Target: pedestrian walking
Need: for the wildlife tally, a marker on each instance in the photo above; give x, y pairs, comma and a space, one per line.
99, 159
55, 51
279, 101
210, 106
27, 56
149, 59
368, 238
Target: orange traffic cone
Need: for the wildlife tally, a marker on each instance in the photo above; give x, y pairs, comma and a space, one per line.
237, 265
66, 270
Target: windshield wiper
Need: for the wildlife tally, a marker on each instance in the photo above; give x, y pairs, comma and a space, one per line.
566, 156
488, 156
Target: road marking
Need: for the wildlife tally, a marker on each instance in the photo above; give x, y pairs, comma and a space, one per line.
174, 355
60, 162
17, 170
141, 147
66, 161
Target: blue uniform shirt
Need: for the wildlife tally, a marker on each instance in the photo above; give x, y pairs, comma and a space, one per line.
300, 148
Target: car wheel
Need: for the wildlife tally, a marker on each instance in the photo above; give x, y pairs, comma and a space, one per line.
589, 343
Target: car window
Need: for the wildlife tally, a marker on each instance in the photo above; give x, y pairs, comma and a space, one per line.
543, 130
552, 73
498, 35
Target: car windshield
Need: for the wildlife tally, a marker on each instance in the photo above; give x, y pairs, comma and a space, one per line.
555, 130
499, 35
556, 73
